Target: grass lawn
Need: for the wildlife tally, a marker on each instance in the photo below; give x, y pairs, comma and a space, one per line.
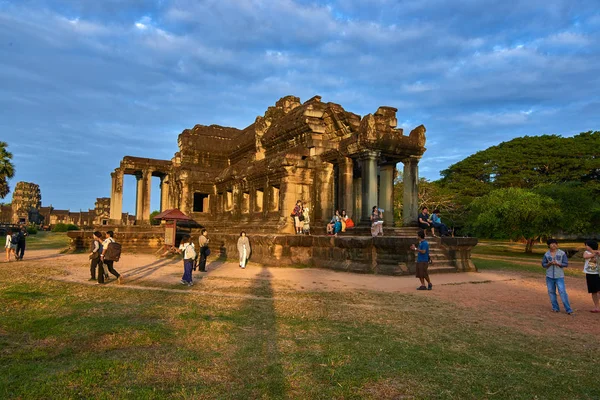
48, 240
505, 248
66, 340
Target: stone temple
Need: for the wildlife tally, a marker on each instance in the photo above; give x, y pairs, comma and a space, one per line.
230, 179
313, 151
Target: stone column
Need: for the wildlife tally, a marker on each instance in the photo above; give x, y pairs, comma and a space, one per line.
369, 184
139, 195
146, 193
325, 194
116, 197
164, 193
346, 187
357, 199
410, 199
386, 193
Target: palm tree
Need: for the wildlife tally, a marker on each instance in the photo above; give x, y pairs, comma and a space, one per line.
7, 170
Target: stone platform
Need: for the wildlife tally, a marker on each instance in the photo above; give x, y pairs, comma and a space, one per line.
352, 252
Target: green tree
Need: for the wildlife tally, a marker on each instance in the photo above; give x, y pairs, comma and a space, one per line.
431, 194
7, 170
152, 220
514, 213
579, 205
526, 162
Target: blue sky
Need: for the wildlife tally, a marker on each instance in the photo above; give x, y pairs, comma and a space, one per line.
84, 83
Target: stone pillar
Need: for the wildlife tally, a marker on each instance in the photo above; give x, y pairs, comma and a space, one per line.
164, 192
357, 205
325, 193
345, 179
386, 193
410, 199
147, 188
369, 184
116, 197
142, 197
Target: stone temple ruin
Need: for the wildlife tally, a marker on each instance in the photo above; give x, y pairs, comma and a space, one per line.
313, 151
231, 179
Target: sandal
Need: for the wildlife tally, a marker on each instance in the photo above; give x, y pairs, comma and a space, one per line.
595, 311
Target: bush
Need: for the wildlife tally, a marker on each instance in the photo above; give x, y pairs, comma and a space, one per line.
64, 227
32, 230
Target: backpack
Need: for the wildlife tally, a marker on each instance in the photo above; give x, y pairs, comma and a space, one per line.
14, 239
113, 252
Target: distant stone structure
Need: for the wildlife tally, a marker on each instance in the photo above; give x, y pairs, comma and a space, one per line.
26, 201
26, 208
313, 151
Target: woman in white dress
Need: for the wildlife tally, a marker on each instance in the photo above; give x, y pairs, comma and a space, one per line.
243, 246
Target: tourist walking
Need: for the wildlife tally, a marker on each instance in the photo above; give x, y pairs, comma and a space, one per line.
204, 250
376, 221
243, 246
11, 245
109, 263
422, 261
21, 237
95, 262
591, 255
189, 255
555, 260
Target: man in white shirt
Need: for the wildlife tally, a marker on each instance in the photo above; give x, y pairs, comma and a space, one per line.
109, 263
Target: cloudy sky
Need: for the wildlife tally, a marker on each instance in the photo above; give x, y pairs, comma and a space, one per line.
84, 83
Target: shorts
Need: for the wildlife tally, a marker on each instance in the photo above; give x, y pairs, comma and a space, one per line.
422, 269
297, 223
593, 283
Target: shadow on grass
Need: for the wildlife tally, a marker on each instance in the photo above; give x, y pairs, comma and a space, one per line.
256, 360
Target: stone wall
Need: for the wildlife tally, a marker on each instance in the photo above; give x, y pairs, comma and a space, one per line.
388, 255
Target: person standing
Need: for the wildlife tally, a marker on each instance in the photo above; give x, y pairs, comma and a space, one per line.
95, 263
189, 255
296, 214
109, 263
203, 242
10, 246
422, 261
591, 255
243, 246
554, 261
21, 244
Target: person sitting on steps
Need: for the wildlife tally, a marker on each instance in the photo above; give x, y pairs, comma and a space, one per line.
424, 222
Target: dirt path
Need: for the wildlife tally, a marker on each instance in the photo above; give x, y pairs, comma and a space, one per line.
516, 299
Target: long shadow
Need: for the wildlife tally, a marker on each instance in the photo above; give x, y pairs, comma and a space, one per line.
256, 361
146, 270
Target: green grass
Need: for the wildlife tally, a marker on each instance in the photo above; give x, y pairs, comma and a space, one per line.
48, 240
60, 340
504, 248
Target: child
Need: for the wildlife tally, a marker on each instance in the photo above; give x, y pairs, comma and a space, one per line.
591, 269
422, 261
554, 261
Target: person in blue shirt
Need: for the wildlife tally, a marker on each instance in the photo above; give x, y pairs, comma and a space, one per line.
554, 261
422, 261
437, 223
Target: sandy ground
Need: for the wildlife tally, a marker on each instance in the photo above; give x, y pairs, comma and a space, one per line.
513, 298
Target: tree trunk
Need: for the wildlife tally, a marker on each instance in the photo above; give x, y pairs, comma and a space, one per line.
529, 246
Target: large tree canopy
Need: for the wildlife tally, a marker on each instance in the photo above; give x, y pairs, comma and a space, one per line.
7, 170
526, 163
514, 213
